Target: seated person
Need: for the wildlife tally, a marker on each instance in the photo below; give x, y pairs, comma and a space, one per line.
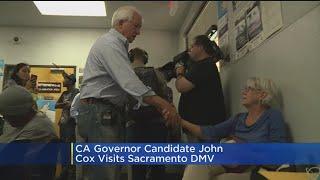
18, 109
260, 124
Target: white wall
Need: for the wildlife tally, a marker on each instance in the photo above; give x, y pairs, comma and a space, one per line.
42, 46
70, 46
204, 21
291, 58
195, 6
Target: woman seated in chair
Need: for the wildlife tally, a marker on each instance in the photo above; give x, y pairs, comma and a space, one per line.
260, 124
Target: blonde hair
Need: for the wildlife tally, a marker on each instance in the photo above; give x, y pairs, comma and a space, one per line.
267, 86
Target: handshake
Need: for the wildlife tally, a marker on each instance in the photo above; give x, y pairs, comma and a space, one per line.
171, 116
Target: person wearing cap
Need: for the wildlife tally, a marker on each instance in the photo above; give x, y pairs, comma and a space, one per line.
67, 123
201, 101
18, 109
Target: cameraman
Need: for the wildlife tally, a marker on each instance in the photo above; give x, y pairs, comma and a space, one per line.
201, 101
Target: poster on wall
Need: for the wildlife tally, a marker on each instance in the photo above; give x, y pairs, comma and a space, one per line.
238, 6
241, 35
223, 37
222, 9
47, 107
252, 23
254, 20
49, 87
1, 67
271, 17
1, 73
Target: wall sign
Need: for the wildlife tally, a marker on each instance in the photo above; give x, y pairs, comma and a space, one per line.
49, 87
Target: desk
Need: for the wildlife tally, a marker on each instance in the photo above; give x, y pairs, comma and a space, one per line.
273, 175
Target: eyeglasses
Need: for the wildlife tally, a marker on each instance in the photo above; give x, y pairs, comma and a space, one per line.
247, 89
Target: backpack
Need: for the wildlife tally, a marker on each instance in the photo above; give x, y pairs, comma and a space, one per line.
149, 78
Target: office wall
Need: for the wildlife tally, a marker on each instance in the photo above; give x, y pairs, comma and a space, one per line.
195, 6
204, 21
70, 46
291, 58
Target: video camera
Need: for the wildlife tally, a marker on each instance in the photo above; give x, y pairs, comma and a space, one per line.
168, 70
183, 59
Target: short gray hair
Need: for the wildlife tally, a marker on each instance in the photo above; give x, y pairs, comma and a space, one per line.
123, 13
265, 85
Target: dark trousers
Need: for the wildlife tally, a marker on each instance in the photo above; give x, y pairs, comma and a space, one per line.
147, 132
67, 135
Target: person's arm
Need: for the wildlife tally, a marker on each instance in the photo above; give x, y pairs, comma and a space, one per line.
277, 130
216, 132
59, 103
74, 106
182, 84
192, 128
115, 61
164, 106
117, 64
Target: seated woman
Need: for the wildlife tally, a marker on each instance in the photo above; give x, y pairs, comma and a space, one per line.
260, 124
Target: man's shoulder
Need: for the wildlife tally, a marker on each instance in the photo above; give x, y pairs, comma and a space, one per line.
106, 40
41, 117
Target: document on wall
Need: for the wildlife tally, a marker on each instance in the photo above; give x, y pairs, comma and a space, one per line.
1, 73
223, 26
271, 17
254, 25
238, 5
240, 34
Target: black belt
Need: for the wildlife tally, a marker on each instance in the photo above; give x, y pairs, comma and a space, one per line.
92, 100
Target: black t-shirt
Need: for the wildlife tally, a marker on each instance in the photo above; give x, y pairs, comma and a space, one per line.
204, 104
67, 96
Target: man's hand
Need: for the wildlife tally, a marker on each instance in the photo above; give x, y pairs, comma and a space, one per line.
162, 105
67, 104
172, 117
180, 70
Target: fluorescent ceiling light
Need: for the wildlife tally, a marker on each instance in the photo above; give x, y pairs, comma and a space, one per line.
71, 8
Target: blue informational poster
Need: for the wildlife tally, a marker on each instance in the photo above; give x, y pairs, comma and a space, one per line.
47, 107
222, 8
1, 67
